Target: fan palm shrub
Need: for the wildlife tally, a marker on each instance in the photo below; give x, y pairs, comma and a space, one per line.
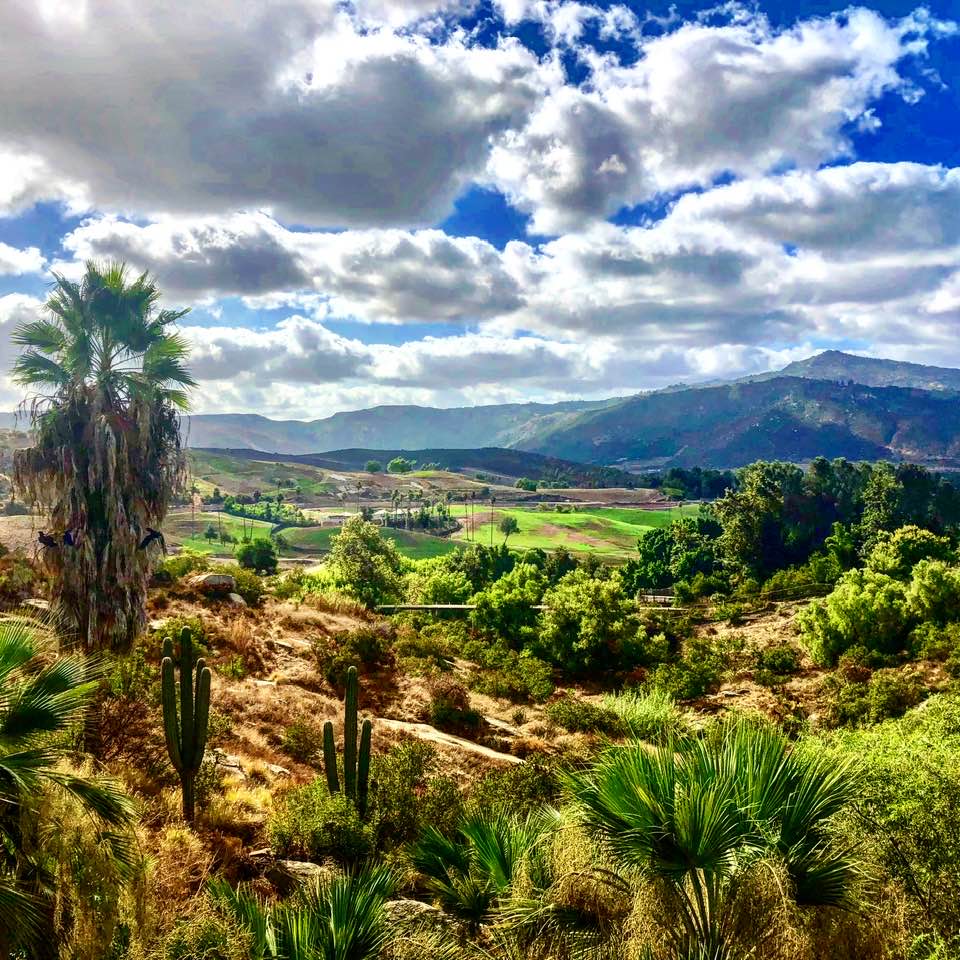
700, 816
339, 918
42, 700
107, 375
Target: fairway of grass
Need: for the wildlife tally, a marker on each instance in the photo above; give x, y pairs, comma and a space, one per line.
606, 531
179, 529
416, 546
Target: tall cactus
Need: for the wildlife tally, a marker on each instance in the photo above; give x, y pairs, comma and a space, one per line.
356, 764
187, 735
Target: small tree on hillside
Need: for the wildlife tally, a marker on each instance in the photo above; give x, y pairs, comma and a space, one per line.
508, 525
259, 555
374, 466
400, 465
364, 564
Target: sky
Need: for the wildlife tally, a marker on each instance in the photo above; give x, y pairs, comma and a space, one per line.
448, 202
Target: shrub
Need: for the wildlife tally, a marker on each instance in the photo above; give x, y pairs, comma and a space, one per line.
249, 585
259, 555
206, 934
172, 569
367, 648
896, 554
19, 579
699, 670
310, 823
775, 665
407, 794
581, 716
647, 714
434, 583
505, 609
301, 741
821, 570
590, 626
930, 641
505, 673
518, 790
865, 609
934, 592
235, 668
450, 706
430, 648
364, 564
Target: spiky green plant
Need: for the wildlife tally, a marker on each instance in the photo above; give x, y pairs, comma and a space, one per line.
356, 763
42, 699
107, 377
340, 918
186, 735
699, 814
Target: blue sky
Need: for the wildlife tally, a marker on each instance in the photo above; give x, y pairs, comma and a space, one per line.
448, 202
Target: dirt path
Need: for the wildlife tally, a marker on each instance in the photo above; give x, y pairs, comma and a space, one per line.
425, 732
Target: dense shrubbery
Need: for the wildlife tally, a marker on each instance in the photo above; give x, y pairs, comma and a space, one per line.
367, 648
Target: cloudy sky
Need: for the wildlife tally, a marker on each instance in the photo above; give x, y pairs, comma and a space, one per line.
455, 202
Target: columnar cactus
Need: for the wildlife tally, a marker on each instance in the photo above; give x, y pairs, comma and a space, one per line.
187, 735
356, 765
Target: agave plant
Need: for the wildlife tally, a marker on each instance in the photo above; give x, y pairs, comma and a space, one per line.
42, 698
341, 918
108, 378
698, 816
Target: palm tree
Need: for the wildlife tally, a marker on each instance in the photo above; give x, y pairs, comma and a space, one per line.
697, 816
42, 699
108, 377
341, 918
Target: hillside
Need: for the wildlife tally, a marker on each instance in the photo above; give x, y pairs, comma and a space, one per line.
787, 418
871, 371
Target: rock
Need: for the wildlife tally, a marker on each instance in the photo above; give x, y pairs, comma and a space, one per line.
213, 583
277, 770
158, 624
286, 875
236, 599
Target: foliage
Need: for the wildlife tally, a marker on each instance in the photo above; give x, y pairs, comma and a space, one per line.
259, 555
684, 549
400, 465
896, 554
20, 579
450, 706
697, 817
857, 695
506, 673
698, 670
518, 790
588, 626
176, 568
311, 823
364, 564
41, 702
775, 665
249, 586
301, 741
106, 458
505, 609
934, 592
583, 716
373, 466
508, 526
432, 581
367, 647
525, 483
650, 715
481, 565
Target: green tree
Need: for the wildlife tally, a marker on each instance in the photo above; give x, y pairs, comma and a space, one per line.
374, 466
508, 526
590, 626
400, 465
506, 608
41, 701
210, 533
109, 377
698, 817
364, 564
259, 555
525, 483
896, 554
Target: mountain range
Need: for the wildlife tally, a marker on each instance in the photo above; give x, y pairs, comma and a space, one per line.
834, 404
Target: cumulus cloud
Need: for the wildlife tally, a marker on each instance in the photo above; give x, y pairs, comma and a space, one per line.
374, 275
17, 262
701, 101
236, 104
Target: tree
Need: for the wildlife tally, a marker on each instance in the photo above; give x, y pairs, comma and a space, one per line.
505, 609
508, 525
106, 460
697, 819
400, 465
374, 466
364, 564
210, 533
525, 483
41, 702
260, 555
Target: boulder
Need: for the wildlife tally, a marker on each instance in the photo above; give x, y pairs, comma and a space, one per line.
236, 599
287, 875
213, 583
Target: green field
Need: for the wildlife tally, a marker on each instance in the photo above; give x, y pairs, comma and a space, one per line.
189, 534
416, 546
605, 531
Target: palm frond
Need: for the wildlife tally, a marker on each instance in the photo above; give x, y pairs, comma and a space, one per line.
32, 369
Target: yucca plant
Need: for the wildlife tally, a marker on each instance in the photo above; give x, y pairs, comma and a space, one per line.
697, 816
42, 699
340, 918
108, 378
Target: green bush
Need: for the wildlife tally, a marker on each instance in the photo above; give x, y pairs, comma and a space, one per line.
408, 794
517, 790
647, 714
368, 648
206, 934
310, 823
775, 665
698, 670
519, 677
172, 569
505, 609
577, 715
930, 641
590, 626
896, 554
259, 555
249, 585
302, 741
865, 609
934, 592
363, 564
450, 706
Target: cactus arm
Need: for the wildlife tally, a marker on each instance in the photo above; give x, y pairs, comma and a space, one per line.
171, 729
363, 768
330, 758
201, 715
350, 735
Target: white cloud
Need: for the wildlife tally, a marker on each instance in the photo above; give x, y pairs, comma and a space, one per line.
18, 262
235, 104
702, 101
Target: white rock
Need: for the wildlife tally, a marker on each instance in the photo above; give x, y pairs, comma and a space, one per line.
213, 583
236, 599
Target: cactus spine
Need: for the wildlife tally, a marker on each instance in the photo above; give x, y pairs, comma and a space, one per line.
356, 764
186, 735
